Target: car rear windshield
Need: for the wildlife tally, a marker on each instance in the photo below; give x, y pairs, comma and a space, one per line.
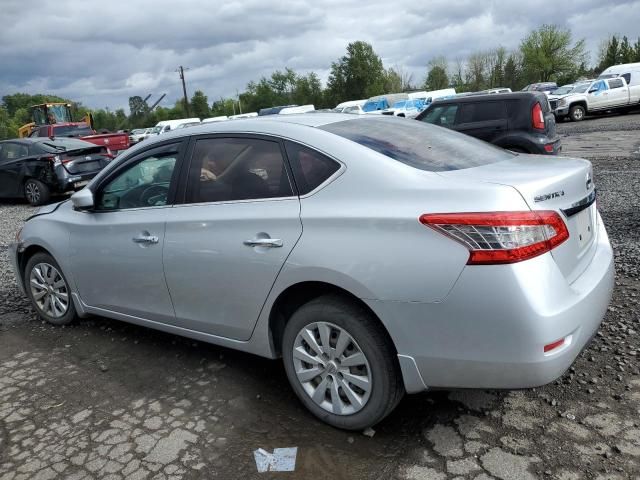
418, 144
71, 131
64, 144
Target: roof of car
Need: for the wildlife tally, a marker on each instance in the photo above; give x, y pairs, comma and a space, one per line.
31, 140
490, 97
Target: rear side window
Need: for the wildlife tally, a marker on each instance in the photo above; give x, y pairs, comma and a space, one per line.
310, 167
627, 77
482, 112
229, 169
418, 144
443, 115
615, 83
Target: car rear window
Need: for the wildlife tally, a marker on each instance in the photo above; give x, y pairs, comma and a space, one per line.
418, 144
482, 112
63, 144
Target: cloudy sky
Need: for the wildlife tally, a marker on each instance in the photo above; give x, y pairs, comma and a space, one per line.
101, 53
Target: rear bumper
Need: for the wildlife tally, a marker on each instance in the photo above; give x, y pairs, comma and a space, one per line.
68, 182
491, 330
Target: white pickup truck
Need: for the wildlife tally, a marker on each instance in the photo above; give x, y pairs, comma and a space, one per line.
597, 96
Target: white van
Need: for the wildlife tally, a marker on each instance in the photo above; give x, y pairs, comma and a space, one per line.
221, 118
297, 109
631, 73
342, 107
167, 125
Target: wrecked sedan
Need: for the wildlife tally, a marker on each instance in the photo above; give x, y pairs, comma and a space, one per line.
375, 256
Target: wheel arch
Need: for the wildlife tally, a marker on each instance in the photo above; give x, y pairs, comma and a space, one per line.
296, 295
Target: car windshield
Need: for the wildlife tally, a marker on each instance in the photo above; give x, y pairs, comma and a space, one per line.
372, 106
564, 90
71, 130
136, 131
581, 88
156, 129
418, 144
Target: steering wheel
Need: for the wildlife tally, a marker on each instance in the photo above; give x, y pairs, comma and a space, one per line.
150, 194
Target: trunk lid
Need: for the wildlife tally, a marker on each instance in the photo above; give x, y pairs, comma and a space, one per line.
86, 160
562, 184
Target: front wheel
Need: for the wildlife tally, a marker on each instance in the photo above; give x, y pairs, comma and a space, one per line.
36, 192
341, 364
49, 290
577, 113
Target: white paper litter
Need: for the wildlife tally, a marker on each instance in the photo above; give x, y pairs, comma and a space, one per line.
281, 460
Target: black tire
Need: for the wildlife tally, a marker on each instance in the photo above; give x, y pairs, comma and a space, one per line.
36, 192
577, 113
40, 259
387, 388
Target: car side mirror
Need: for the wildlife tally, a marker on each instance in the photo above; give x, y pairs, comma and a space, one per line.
83, 199
593, 90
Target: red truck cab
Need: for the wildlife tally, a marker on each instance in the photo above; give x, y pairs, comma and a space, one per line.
115, 142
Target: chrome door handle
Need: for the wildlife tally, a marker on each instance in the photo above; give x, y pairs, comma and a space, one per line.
145, 239
264, 242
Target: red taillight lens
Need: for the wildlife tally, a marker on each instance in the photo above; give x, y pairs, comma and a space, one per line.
537, 117
548, 147
501, 237
554, 345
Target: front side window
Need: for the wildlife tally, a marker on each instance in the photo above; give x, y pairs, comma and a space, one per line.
443, 115
627, 77
143, 184
230, 169
310, 167
600, 86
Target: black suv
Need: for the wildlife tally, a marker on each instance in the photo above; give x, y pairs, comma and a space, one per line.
520, 122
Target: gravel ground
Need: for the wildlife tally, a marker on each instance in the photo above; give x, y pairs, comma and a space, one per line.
103, 399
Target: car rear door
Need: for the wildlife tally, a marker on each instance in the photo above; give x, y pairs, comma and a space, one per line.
618, 92
483, 120
227, 242
116, 249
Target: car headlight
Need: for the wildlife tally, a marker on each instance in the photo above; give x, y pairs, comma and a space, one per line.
562, 102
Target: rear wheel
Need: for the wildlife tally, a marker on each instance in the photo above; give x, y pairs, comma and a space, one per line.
49, 290
577, 113
341, 364
36, 192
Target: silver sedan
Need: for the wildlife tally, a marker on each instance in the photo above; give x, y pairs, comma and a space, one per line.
374, 255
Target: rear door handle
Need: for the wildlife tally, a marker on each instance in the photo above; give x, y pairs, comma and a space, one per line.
145, 239
264, 242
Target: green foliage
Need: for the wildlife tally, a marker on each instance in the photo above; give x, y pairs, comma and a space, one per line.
437, 76
615, 51
547, 54
357, 75
200, 105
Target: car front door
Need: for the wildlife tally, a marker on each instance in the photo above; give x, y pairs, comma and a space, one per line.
598, 95
116, 248
12, 156
483, 120
225, 245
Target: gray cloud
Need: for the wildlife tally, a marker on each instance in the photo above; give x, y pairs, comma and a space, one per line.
102, 53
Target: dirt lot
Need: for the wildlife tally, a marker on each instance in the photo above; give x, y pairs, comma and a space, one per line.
103, 399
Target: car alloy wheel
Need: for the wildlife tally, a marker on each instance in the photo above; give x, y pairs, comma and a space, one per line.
32, 192
49, 290
331, 368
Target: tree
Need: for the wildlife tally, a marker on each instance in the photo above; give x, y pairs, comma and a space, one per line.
437, 77
512, 75
392, 81
200, 104
358, 74
476, 71
547, 53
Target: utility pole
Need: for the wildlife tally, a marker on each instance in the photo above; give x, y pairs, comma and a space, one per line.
184, 90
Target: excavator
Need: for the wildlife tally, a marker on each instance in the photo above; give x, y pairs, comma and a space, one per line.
55, 120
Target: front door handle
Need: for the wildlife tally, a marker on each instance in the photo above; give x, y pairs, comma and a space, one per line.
145, 239
264, 242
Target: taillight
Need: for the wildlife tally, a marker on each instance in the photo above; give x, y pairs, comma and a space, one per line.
501, 237
54, 159
537, 117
